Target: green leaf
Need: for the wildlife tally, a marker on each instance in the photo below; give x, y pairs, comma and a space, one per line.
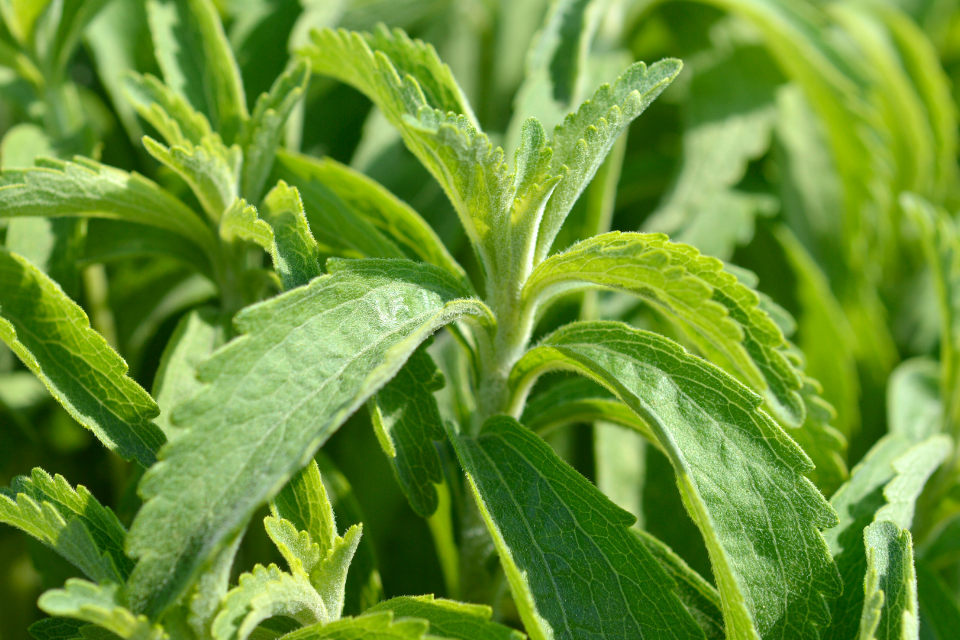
261, 134
309, 358
883, 486
583, 140
56, 629
450, 619
914, 408
87, 188
210, 168
262, 594
729, 115
721, 313
52, 336
771, 564
890, 610
70, 25
240, 222
167, 111
69, 521
113, 240
304, 503
378, 626
698, 596
407, 420
99, 605
198, 334
197, 62
367, 201
295, 254
573, 565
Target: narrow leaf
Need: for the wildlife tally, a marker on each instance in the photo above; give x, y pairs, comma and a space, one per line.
377, 626
309, 358
890, 610
296, 255
167, 111
771, 564
52, 336
589, 576
304, 503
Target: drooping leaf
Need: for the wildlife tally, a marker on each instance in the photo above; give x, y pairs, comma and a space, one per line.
689, 287
583, 140
698, 596
99, 605
377, 626
589, 576
87, 188
197, 62
69, 521
261, 133
449, 619
407, 421
52, 336
701, 416
368, 201
295, 254
307, 360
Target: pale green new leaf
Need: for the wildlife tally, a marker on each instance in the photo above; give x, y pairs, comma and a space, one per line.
369, 202
197, 62
729, 115
307, 360
262, 594
717, 309
241, 222
698, 596
914, 408
583, 140
169, 112
99, 605
198, 334
407, 420
304, 503
87, 188
210, 168
890, 610
740, 476
574, 567
296, 257
261, 134
52, 336
376, 626
448, 618
71, 522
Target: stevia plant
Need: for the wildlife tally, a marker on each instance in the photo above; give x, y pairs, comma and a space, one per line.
324, 292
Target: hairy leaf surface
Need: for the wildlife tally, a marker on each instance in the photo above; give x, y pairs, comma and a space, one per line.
449, 619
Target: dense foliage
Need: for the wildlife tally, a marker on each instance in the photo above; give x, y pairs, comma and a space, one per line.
319, 330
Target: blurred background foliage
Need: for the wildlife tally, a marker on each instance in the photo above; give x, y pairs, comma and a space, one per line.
782, 147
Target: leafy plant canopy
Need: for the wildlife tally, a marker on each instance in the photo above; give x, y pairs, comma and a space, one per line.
503, 321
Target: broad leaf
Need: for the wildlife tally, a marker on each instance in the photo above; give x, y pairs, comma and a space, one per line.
69, 521
712, 304
261, 134
589, 576
368, 201
583, 140
295, 254
87, 188
99, 605
197, 62
377, 626
307, 360
698, 596
771, 564
407, 421
52, 336
449, 619
262, 594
